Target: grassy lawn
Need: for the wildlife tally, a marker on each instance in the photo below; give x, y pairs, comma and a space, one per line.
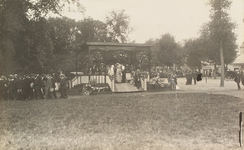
122, 122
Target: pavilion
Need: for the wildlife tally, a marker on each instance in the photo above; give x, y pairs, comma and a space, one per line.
110, 53
239, 61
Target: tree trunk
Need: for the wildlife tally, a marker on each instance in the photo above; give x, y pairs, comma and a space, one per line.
222, 65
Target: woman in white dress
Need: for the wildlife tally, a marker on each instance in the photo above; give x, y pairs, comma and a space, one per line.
119, 73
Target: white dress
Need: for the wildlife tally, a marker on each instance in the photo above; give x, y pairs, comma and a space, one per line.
119, 73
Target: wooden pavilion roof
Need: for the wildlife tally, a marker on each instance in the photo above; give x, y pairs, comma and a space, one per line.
107, 46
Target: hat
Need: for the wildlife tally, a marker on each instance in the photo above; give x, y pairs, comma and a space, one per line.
11, 76
62, 75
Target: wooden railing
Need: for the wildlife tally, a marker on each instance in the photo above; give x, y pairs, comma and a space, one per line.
85, 79
100, 79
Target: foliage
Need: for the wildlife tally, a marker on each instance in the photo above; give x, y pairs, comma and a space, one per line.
33, 42
120, 56
142, 59
118, 26
26, 45
94, 88
156, 82
219, 32
139, 74
194, 49
90, 30
166, 51
153, 54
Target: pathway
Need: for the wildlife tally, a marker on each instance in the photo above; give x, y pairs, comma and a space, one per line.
211, 86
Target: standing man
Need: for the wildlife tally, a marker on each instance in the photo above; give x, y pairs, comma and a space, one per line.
194, 75
238, 79
37, 87
63, 86
123, 74
11, 88
49, 87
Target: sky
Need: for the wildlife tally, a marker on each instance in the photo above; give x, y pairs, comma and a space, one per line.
153, 18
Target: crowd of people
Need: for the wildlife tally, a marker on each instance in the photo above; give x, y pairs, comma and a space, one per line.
28, 87
195, 76
172, 80
118, 71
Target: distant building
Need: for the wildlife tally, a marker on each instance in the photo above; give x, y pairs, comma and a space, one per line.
239, 62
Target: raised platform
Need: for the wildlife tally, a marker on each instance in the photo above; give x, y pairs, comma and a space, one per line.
126, 87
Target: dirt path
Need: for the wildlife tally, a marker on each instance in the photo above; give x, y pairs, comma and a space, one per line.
211, 86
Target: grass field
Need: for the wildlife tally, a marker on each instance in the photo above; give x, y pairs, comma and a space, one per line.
122, 122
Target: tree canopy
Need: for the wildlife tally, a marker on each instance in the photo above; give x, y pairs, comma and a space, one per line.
32, 41
220, 36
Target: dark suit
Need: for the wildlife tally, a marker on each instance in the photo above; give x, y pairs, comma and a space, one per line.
238, 80
63, 87
3, 89
37, 88
11, 89
49, 85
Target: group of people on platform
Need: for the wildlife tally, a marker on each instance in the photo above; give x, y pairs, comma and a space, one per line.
28, 87
119, 72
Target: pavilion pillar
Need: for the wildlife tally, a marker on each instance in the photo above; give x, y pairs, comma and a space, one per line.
89, 61
105, 74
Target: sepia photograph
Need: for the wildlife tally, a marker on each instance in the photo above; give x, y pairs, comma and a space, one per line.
121, 74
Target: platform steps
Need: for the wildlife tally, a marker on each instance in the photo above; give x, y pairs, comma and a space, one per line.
126, 87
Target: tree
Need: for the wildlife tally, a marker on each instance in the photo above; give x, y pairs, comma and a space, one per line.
61, 32
219, 33
118, 25
154, 59
90, 30
17, 18
13, 34
195, 54
166, 52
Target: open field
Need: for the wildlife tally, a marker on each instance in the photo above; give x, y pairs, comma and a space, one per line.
127, 121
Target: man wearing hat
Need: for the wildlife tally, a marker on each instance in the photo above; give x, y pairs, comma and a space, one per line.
11, 88
63, 86
238, 79
49, 87
37, 87
3, 88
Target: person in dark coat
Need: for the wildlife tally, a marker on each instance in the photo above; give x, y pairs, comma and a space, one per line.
28, 88
242, 77
49, 87
199, 77
63, 86
194, 76
137, 79
11, 88
189, 78
37, 87
3, 88
19, 84
123, 74
238, 79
